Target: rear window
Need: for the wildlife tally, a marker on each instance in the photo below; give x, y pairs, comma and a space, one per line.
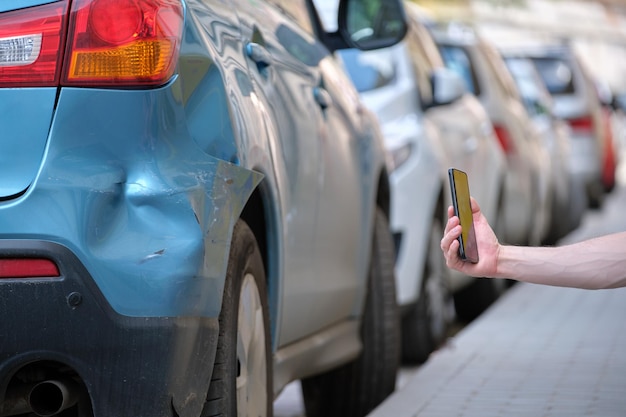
556, 74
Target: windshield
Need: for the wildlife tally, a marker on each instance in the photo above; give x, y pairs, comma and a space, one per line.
457, 60
369, 70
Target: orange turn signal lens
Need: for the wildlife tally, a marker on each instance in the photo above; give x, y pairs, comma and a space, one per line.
123, 42
141, 60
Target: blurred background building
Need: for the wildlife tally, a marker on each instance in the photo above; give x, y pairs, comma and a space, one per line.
597, 28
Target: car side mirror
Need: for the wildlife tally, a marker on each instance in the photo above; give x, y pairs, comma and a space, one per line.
448, 86
364, 24
619, 102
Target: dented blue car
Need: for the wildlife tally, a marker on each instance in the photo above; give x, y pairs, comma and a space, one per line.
193, 209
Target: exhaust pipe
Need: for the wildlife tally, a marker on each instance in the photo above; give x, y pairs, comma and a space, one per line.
49, 398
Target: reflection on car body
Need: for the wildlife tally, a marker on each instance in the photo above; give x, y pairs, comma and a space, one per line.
194, 217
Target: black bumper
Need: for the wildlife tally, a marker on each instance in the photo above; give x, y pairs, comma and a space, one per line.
131, 366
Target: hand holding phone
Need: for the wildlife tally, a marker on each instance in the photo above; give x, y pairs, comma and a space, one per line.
459, 187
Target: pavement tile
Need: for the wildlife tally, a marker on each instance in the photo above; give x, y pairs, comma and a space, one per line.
538, 352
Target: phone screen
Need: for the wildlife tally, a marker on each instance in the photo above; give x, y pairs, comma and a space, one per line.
459, 187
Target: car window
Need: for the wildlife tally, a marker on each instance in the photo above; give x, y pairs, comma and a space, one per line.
556, 74
306, 50
297, 10
369, 70
457, 59
293, 29
534, 94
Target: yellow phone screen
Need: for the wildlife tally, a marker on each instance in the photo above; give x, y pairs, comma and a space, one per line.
462, 206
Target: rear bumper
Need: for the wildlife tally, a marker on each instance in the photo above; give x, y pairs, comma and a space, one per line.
131, 366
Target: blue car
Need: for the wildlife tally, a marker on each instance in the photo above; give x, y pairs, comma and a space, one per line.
193, 209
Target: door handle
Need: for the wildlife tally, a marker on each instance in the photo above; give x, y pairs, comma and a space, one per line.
322, 97
259, 55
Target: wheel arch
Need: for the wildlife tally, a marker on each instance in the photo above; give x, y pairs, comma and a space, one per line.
383, 192
261, 216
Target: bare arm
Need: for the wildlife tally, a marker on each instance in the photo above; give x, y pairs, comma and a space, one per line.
592, 264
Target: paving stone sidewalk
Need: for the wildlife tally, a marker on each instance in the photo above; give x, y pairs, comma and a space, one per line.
539, 351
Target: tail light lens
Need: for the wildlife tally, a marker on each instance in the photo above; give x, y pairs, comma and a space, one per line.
502, 133
581, 124
28, 268
109, 43
123, 42
31, 45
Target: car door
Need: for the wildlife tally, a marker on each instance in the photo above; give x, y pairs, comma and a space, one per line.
318, 260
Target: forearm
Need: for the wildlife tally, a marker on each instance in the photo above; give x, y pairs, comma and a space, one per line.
592, 264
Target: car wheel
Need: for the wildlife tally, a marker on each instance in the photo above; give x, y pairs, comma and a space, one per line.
356, 388
425, 326
578, 203
471, 301
241, 383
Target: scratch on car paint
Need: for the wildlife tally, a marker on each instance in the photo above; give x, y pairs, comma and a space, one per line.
153, 255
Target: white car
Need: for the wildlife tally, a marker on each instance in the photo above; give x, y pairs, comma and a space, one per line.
430, 123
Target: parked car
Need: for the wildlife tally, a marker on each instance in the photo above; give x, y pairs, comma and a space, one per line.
430, 123
387, 87
576, 100
193, 210
569, 198
526, 214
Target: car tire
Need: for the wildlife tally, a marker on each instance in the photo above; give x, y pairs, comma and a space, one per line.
579, 202
425, 326
356, 388
241, 383
471, 301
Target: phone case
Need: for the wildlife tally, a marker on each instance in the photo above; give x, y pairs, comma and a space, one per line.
459, 188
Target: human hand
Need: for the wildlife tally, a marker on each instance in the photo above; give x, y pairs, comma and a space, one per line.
486, 240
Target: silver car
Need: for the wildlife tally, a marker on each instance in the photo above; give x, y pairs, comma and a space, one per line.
526, 215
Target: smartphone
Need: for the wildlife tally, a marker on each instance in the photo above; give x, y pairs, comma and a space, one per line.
459, 187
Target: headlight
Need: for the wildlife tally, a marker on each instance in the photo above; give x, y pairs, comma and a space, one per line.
400, 155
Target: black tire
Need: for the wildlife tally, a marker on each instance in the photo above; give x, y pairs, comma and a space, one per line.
356, 388
471, 301
425, 326
578, 205
245, 280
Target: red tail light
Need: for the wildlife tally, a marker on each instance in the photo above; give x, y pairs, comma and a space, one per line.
504, 137
583, 123
28, 268
123, 42
109, 43
31, 45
